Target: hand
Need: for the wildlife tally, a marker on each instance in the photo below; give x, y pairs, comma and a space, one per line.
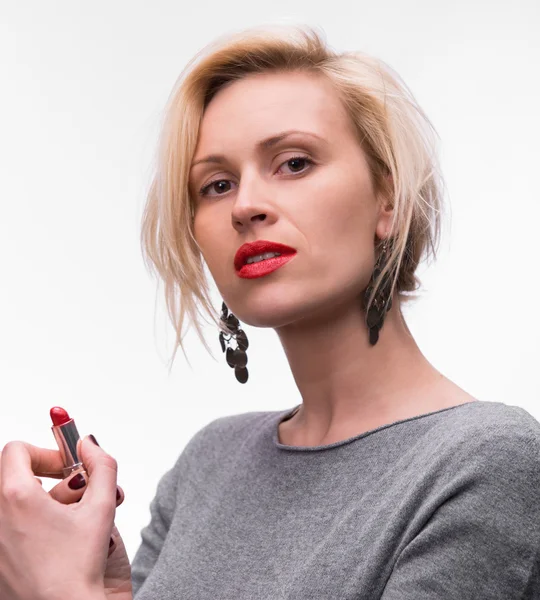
50, 549
117, 577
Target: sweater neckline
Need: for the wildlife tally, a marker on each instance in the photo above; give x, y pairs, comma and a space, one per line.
289, 413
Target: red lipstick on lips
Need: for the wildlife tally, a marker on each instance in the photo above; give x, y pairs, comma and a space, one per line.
67, 436
263, 267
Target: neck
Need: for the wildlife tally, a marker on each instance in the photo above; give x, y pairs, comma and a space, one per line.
344, 380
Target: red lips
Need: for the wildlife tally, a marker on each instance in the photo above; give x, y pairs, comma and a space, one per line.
259, 247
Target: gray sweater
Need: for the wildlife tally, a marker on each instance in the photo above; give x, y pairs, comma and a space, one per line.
443, 506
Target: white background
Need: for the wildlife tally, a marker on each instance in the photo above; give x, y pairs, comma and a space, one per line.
83, 87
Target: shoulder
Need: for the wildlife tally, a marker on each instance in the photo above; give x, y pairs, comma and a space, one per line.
487, 441
223, 435
232, 428
507, 437
475, 532
484, 423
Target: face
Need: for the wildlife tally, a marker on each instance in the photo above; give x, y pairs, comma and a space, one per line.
311, 190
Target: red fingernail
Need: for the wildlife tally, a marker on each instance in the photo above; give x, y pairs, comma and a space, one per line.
77, 482
111, 542
94, 440
118, 494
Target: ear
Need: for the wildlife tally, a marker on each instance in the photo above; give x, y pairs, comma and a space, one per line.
386, 213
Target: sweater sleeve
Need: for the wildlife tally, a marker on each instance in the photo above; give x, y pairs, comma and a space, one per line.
482, 541
153, 535
164, 505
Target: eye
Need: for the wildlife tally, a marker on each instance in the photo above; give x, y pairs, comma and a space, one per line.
204, 190
296, 163
298, 160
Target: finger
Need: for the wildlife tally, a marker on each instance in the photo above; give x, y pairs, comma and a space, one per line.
21, 462
38, 460
102, 472
112, 546
120, 496
71, 489
43, 462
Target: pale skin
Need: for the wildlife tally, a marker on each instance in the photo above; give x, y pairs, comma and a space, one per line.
331, 215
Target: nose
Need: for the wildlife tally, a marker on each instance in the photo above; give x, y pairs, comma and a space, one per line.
245, 216
252, 204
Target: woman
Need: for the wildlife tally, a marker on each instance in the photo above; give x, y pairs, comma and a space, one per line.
307, 182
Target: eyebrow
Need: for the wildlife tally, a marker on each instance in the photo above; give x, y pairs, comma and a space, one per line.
265, 144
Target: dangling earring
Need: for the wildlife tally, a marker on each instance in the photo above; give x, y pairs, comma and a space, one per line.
382, 302
237, 357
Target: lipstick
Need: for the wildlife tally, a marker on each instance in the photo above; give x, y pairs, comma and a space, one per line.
259, 247
263, 267
67, 436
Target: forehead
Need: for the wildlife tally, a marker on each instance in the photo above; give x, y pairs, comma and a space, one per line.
259, 105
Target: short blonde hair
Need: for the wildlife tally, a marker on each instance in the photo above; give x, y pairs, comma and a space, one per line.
396, 135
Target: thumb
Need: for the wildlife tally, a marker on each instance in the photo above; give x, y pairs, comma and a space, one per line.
102, 471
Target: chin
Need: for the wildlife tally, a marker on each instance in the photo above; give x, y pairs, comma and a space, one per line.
267, 317
274, 312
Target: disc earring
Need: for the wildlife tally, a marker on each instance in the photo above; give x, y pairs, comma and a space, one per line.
236, 357
382, 302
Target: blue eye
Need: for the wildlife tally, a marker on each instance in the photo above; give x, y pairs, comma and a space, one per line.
302, 159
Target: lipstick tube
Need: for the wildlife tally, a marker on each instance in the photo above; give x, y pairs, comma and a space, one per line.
67, 436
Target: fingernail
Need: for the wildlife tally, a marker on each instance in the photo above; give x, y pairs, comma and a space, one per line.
118, 494
77, 482
111, 542
94, 440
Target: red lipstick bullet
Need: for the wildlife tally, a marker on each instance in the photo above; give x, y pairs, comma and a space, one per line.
67, 436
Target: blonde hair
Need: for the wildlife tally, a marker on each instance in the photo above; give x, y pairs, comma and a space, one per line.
396, 135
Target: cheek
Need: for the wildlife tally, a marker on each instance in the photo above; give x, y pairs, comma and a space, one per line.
204, 236
340, 226
212, 239
343, 252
